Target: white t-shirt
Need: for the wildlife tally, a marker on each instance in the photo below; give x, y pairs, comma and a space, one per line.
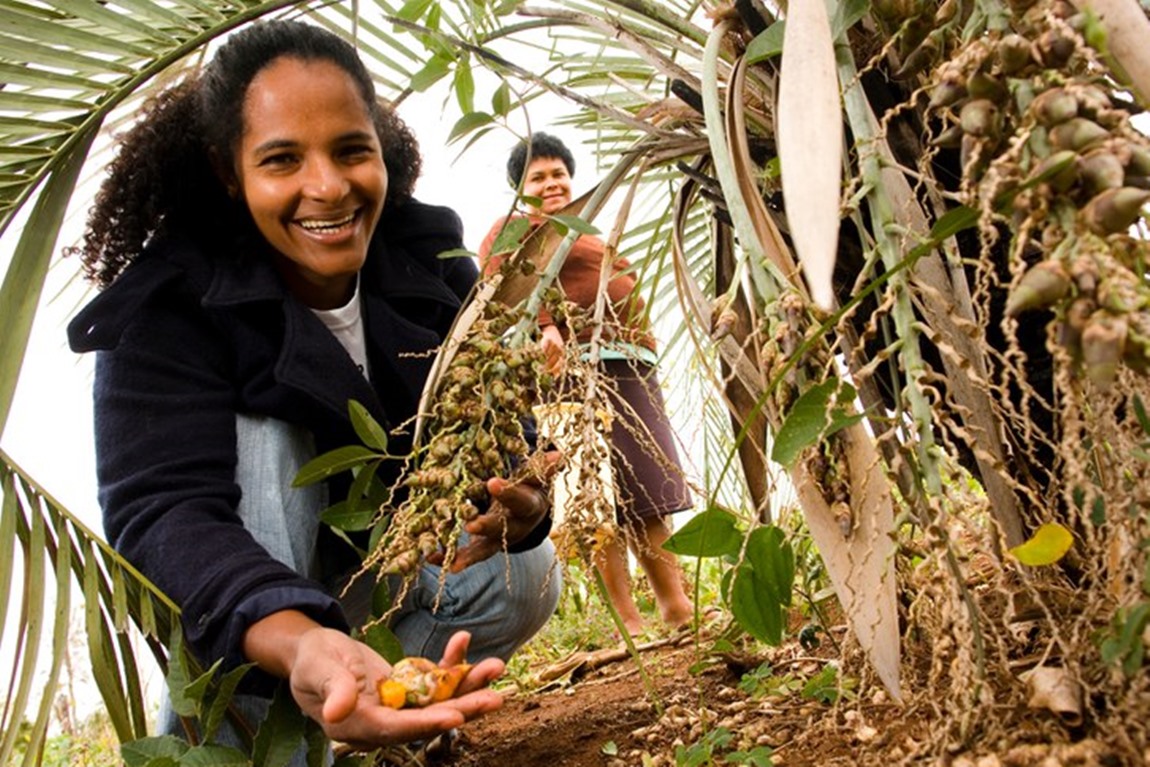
346, 324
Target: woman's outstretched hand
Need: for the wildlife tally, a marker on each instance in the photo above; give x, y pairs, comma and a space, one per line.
334, 679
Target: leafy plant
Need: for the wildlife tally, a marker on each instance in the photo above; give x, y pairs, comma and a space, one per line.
759, 586
709, 750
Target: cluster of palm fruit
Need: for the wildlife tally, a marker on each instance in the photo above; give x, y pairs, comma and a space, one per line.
1046, 149
475, 432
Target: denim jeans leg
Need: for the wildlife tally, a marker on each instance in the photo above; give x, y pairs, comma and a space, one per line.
283, 519
502, 602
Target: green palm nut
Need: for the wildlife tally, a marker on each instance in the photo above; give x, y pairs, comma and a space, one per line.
1114, 210
1054, 106
1139, 162
1015, 53
1074, 323
1055, 48
1077, 133
982, 85
1042, 285
1100, 170
980, 118
1059, 170
950, 90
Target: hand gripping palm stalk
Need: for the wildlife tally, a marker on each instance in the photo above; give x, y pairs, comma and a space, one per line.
474, 427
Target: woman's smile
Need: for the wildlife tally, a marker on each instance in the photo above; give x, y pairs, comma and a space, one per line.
310, 168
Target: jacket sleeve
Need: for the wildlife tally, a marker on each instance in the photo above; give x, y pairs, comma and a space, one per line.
165, 411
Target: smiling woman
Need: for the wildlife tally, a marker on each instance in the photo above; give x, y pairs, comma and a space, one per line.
314, 181
228, 354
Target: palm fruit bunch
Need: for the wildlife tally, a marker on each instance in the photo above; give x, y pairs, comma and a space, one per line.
416, 682
1046, 151
475, 431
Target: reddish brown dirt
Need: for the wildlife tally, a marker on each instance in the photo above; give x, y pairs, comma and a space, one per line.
598, 715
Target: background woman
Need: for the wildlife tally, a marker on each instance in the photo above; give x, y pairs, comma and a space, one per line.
647, 474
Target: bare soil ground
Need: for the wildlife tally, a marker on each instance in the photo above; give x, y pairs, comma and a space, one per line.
597, 713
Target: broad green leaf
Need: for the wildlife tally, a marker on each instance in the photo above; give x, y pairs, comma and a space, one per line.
222, 694
384, 641
350, 516
712, 533
510, 236
281, 733
563, 223
414, 10
200, 687
1049, 544
138, 753
767, 44
814, 417
774, 561
367, 428
823, 686
332, 462
433, 71
464, 83
847, 14
468, 123
501, 99
214, 755
179, 677
754, 606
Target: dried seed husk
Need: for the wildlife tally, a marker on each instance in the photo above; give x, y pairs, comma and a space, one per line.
1103, 341
1077, 133
1114, 210
1041, 286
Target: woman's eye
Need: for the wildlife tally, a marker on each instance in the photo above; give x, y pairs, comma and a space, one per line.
277, 160
359, 152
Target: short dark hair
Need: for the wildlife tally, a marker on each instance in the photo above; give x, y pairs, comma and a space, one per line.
541, 145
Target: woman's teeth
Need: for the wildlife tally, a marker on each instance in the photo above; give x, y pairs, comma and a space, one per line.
313, 225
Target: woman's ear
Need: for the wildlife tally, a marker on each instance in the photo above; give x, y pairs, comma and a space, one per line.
225, 174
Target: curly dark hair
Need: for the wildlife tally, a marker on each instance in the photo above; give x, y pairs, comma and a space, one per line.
541, 145
162, 177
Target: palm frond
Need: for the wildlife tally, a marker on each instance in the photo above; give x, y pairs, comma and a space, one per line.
58, 556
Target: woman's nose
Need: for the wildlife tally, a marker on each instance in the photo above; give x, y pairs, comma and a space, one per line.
324, 181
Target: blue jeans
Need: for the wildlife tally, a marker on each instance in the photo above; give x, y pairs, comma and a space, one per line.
503, 601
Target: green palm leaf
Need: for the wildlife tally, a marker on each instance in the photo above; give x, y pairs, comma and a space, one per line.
58, 554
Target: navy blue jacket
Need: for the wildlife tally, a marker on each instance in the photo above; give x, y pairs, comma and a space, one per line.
187, 340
